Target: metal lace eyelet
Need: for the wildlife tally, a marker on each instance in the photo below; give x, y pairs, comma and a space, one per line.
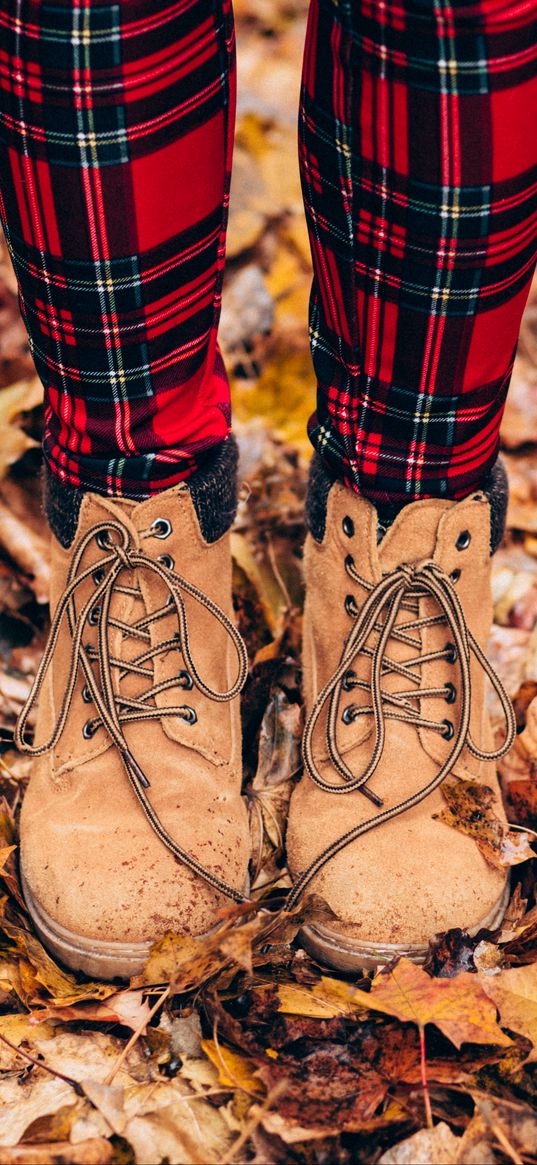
349, 561
94, 615
89, 730
103, 540
455, 575
86, 695
449, 732
186, 680
166, 560
451, 693
350, 606
347, 681
189, 715
98, 576
169, 600
347, 715
464, 539
451, 652
348, 526
161, 528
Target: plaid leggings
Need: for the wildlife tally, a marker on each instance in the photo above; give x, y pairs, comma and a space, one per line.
418, 155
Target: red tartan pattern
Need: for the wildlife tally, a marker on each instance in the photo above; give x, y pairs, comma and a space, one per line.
418, 151
418, 156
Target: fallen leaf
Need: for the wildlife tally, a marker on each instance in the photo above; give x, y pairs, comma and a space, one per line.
18, 398
470, 810
234, 1070
459, 1007
94, 1151
63, 987
438, 1145
514, 991
323, 1000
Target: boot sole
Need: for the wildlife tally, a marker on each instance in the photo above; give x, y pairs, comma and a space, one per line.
346, 954
94, 957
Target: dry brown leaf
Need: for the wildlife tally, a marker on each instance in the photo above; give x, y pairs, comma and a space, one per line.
94, 1151
470, 810
167, 1121
269, 794
519, 423
438, 1145
21, 1105
187, 962
63, 987
28, 550
519, 767
18, 398
514, 991
129, 1008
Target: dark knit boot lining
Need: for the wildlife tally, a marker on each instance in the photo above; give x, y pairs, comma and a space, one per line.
213, 489
321, 480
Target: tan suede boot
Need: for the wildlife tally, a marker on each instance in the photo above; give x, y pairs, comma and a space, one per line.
394, 673
133, 822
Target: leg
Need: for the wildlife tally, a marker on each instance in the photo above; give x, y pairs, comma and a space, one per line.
419, 163
418, 158
117, 124
116, 137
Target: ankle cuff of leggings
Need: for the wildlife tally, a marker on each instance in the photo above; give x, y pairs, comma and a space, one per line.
321, 480
213, 489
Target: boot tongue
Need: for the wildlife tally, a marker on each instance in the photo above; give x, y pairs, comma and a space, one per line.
412, 535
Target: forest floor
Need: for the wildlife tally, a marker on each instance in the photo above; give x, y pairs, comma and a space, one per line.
241, 1048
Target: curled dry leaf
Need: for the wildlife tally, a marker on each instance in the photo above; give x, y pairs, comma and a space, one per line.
439, 1145
519, 424
323, 1000
519, 767
28, 550
514, 588
18, 398
187, 962
129, 1008
62, 987
270, 790
514, 991
93, 1151
470, 810
234, 1070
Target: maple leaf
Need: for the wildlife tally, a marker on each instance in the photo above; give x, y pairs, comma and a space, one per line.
459, 1007
514, 992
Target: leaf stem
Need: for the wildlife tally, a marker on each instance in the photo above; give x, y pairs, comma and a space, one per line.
424, 1081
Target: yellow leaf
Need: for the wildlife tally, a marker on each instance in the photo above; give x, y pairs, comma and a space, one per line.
234, 1070
324, 1000
459, 1007
514, 993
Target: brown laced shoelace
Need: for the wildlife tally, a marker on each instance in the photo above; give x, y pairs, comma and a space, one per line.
399, 590
113, 709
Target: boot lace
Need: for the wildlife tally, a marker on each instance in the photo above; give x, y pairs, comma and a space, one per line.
114, 709
398, 590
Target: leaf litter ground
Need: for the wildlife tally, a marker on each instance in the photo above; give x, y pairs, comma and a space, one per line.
240, 1047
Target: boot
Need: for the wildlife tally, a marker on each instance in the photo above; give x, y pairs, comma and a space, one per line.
133, 823
395, 632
